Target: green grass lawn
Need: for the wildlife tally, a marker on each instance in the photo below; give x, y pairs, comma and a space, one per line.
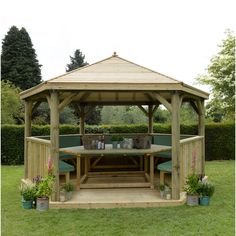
216, 219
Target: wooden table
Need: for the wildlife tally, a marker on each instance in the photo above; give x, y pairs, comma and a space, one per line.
148, 154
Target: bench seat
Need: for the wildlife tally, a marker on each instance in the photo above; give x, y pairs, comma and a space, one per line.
164, 168
65, 169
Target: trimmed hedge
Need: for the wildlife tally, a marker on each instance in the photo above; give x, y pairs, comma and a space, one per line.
219, 138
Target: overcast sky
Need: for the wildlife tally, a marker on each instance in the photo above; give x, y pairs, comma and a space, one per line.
176, 38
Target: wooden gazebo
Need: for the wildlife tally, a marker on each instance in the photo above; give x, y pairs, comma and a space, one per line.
113, 81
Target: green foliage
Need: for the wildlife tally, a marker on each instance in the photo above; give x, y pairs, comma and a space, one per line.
19, 62
114, 138
221, 78
42, 115
45, 186
220, 141
192, 185
206, 189
122, 115
219, 138
76, 61
68, 187
28, 190
162, 187
11, 105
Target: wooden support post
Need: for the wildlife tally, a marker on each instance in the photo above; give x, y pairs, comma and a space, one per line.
82, 120
201, 130
28, 113
150, 119
151, 157
54, 137
175, 145
78, 171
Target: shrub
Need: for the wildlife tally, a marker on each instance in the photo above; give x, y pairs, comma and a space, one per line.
219, 137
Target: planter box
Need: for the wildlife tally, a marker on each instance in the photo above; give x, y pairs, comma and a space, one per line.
42, 204
27, 204
192, 200
204, 201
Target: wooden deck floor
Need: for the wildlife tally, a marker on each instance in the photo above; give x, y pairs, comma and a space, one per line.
117, 197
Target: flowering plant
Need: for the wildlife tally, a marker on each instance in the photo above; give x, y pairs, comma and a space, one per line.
28, 190
206, 188
45, 186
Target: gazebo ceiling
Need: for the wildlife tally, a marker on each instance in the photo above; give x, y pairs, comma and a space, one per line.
113, 81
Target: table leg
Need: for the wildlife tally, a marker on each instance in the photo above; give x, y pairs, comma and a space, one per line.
141, 163
78, 170
145, 164
86, 165
151, 170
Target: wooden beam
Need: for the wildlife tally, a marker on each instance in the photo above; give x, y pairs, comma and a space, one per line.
85, 96
175, 145
201, 130
194, 106
181, 100
35, 106
149, 97
150, 119
162, 100
49, 100
117, 96
143, 110
54, 137
82, 120
155, 108
66, 101
28, 112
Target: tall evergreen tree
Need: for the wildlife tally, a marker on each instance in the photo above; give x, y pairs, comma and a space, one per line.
76, 61
94, 116
19, 62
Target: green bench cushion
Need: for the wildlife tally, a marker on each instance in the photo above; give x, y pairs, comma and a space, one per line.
65, 167
166, 166
164, 154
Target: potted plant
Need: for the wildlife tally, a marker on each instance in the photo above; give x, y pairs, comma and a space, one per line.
68, 188
28, 192
120, 141
167, 193
44, 190
114, 140
192, 189
162, 191
206, 190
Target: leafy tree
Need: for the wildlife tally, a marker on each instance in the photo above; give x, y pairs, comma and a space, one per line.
19, 62
122, 115
11, 105
76, 61
221, 78
162, 115
42, 115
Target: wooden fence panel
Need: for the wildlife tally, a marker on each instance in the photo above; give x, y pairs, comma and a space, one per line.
38, 152
191, 158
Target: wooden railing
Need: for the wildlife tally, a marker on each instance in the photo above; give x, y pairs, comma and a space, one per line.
38, 152
192, 157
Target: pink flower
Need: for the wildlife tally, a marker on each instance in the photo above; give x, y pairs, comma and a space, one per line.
194, 157
50, 166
